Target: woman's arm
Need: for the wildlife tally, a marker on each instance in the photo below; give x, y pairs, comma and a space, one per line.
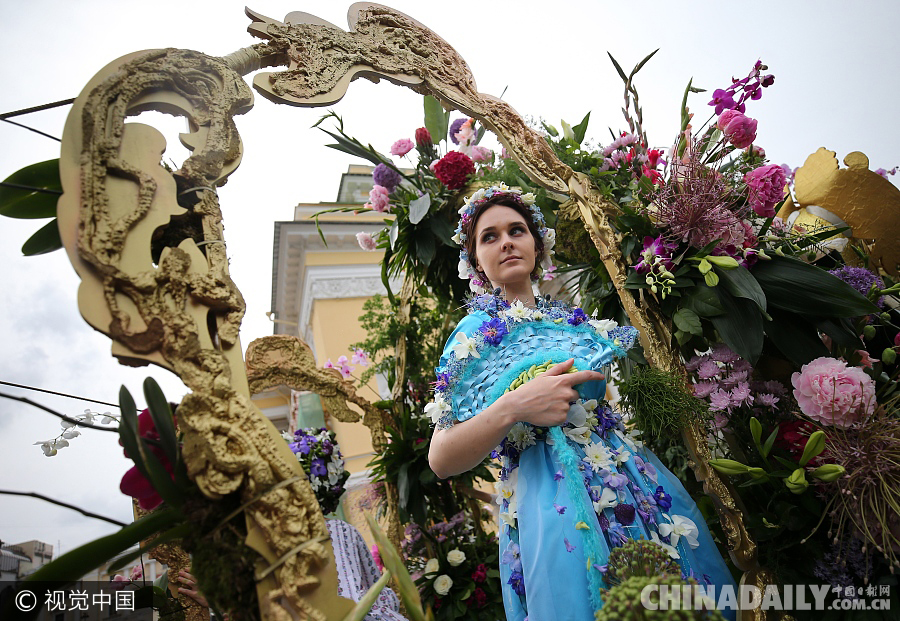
544, 401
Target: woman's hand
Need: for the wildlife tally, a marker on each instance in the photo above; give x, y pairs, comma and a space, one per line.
544, 401
190, 588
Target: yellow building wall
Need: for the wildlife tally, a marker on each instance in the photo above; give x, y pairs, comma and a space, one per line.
335, 326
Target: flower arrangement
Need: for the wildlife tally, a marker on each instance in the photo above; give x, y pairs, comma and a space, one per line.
318, 453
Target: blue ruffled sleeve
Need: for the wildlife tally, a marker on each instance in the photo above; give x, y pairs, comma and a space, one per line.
468, 326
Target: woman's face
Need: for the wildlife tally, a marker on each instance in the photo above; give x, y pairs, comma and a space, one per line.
504, 247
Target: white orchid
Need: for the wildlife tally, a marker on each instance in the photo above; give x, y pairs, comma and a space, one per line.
466, 347
680, 526
631, 439
608, 499
577, 416
622, 458
603, 326
437, 408
581, 435
670, 550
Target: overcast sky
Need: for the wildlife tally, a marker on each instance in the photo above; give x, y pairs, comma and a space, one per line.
834, 86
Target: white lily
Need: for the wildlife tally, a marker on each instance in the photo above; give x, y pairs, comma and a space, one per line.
466, 347
680, 526
437, 408
603, 326
670, 550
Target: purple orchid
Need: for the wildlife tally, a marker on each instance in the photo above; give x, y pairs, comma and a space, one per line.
655, 251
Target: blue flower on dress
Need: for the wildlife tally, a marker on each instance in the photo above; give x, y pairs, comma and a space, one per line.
302, 445
569, 546
517, 581
559, 475
663, 500
494, 331
317, 467
559, 508
442, 383
512, 557
624, 513
578, 317
616, 533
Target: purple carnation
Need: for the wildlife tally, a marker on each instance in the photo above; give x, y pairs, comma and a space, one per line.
494, 331
386, 176
454, 127
860, 279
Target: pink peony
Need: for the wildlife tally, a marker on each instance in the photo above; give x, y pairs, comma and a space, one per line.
739, 129
366, 241
766, 185
830, 392
402, 147
379, 199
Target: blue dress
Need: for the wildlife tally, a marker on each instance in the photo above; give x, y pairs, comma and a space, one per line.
569, 494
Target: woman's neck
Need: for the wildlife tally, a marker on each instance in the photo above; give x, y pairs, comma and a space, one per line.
522, 293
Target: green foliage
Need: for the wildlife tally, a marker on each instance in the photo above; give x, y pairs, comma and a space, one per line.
32, 193
623, 602
660, 402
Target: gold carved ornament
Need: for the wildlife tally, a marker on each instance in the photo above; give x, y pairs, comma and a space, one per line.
149, 249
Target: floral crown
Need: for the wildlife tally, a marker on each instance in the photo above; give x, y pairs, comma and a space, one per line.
467, 212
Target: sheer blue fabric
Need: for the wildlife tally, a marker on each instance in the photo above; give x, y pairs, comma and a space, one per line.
560, 519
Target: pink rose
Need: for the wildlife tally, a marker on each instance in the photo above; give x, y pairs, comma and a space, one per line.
830, 392
739, 129
379, 199
366, 241
766, 185
402, 147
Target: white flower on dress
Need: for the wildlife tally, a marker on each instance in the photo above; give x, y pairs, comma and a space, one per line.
537, 315
672, 552
603, 326
457, 238
608, 499
631, 439
680, 527
621, 458
577, 416
432, 566
466, 347
437, 408
456, 557
442, 584
521, 435
598, 456
519, 312
581, 435
462, 269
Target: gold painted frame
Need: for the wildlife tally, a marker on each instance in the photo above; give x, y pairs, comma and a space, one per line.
148, 246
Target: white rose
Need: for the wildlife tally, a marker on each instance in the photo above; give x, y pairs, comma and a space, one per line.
455, 557
432, 566
442, 584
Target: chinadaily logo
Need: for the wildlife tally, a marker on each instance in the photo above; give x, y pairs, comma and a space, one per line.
750, 597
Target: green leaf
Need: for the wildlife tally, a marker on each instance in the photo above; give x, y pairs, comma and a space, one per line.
795, 337
786, 463
767, 447
796, 286
703, 301
403, 485
581, 129
740, 283
176, 532
162, 418
73, 565
443, 230
425, 248
45, 240
21, 203
838, 330
636, 281
618, 68
435, 119
419, 207
365, 603
641, 64
741, 327
409, 595
756, 431
688, 321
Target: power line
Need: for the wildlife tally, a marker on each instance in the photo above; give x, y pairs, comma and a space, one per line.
47, 106
63, 504
59, 394
31, 129
74, 421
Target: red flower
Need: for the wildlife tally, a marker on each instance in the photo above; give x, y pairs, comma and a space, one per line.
454, 169
792, 437
423, 137
478, 599
480, 573
134, 483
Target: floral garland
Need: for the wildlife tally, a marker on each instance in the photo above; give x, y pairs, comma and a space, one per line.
318, 453
467, 212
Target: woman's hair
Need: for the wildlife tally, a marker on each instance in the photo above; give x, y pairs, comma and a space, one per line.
513, 201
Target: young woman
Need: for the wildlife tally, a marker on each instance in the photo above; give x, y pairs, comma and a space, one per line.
520, 379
